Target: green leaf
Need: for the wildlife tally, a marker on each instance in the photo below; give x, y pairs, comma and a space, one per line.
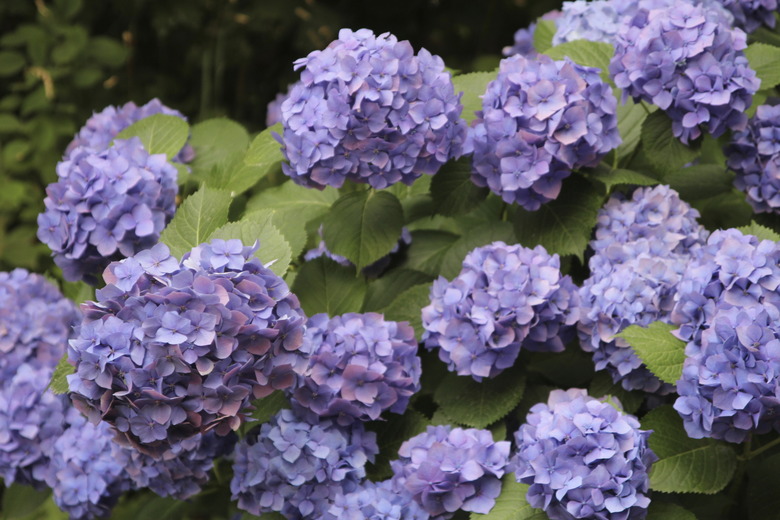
197, 218
215, 141
763, 488
384, 290
700, 181
263, 156
662, 148
363, 226
11, 62
572, 367
765, 60
602, 386
479, 404
267, 407
473, 86
9, 123
475, 237
427, 250
685, 465
586, 53
564, 225
79, 292
543, 35
511, 504
390, 434
159, 133
611, 178
663, 353
59, 379
408, 306
322, 285
760, 232
20, 501
107, 51
258, 226
631, 116
668, 511
453, 191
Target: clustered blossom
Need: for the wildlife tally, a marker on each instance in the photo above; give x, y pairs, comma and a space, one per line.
172, 349
360, 366
372, 501
273, 113
100, 129
106, 205
686, 60
505, 298
369, 110
754, 154
597, 21
752, 14
540, 120
85, 477
731, 381
448, 469
583, 459
642, 247
297, 468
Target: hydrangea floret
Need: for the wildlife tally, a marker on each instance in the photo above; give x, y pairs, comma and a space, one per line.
172, 349
369, 110
540, 120
754, 155
447, 469
106, 205
689, 62
360, 367
583, 458
506, 297
297, 468
375, 501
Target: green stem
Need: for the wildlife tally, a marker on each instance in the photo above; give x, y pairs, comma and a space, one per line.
748, 455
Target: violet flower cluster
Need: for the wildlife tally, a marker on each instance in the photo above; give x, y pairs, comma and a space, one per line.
540, 120
504, 299
754, 154
360, 367
731, 379
686, 60
106, 205
448, 469
375, 501
752, 14
297, 468
597, 21
583, 458
100, 129
172, 349
368, 109
642, 247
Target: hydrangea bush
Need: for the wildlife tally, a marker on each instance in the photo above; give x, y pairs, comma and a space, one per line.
531, 291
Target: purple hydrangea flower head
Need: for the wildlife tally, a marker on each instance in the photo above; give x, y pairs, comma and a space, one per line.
101, 128
368, 109
583, 458
375, 501
729, 387
752, 14
732, 269
172, 349
35, 322
597, 21
182, 471
754, 154
85, 477
505, 298
297, 468
448, 469
540, 120
360, 366
106, 205
689, 62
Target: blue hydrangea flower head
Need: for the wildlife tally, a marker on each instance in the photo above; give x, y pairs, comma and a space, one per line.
752, 14
171, 349
448, 469
100, 129
85, 477
106, 205
583, 458
375, 501
360, 367
36, 322
504, 299
297, 468
540, 120
689, 62
729, 383
754, 155
369, 110
597, 21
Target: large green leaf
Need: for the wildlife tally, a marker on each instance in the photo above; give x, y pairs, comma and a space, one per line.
587, 53
59, 379
453, 191
322, 285
631, 116
603, 386
363, 226
700, 181
760, 232
383, 291
763, 489
765, 60
159, 133
427, 250
408, 306
259, 226
655, 345
668, 511
20, 501
685, 465
662, 148
197, 218
390, 434
564, 225
511, 504
478, 236
543, 35
611, 178
473, 86
216, 140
